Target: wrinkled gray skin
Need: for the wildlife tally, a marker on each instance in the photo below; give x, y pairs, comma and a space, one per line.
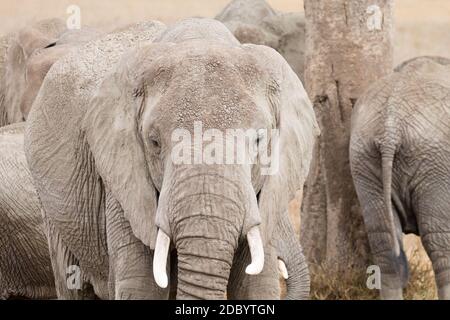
3, 49
25, 268
254, 21
26, 57
400, 160
98, 142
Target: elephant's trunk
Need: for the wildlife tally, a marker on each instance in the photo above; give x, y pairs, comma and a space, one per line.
203, 268
290, 252
206, 242
205, 223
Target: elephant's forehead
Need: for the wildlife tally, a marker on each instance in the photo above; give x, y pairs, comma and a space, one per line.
222, 107
221, 87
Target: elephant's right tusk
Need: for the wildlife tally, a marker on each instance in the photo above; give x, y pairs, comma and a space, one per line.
283, 270
160, 259
256, 251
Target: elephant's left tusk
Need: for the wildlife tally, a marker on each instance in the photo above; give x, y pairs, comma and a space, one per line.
160, 259
256, 250
283, 270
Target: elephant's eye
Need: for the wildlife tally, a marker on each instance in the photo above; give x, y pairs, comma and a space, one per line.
155, 143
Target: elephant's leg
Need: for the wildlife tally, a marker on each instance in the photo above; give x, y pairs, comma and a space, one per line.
264, 286
394, 270
130, 260
433, 210
70, 281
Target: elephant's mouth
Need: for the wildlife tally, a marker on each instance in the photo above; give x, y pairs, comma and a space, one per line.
162, 250
258, 196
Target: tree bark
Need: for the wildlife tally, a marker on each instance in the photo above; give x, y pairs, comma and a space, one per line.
348, 47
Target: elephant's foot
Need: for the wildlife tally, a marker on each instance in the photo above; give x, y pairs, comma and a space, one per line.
133, 277
391, 294
444, 292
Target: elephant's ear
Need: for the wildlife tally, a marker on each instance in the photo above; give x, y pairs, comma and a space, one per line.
112, 133
297, 132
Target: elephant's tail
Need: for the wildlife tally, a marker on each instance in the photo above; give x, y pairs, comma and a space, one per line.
387, 160
390, 143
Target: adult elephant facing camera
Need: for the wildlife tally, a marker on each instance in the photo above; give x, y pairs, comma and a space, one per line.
102, 160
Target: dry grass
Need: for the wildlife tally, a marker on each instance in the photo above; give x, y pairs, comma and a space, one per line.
326, 284
351, 284
421, 285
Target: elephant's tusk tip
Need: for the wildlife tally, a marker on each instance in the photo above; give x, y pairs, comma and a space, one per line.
161, 280
283, 270
254, 269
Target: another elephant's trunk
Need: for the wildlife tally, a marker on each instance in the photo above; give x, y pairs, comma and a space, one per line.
290, 252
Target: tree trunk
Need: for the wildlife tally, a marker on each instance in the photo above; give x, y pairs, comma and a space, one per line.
348, 47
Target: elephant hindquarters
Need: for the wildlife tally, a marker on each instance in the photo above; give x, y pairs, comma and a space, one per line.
382, 231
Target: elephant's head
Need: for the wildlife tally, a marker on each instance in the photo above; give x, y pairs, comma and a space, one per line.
159, 129
30, 54
256, 22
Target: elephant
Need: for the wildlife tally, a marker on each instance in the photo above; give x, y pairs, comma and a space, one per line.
437, 59
400, 163
3, 48
25, 268
255, 21
100, 144
27, 55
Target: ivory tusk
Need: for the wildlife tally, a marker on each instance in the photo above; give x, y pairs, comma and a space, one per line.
283, 270
160, 259
256, 250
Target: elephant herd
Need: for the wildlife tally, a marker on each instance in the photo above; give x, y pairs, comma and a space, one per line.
92, 204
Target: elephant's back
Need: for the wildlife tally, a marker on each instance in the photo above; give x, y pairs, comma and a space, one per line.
415, 98
247, 11
204, 30
423, 93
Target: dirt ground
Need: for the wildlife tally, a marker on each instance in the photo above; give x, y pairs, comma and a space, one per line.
422, 26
